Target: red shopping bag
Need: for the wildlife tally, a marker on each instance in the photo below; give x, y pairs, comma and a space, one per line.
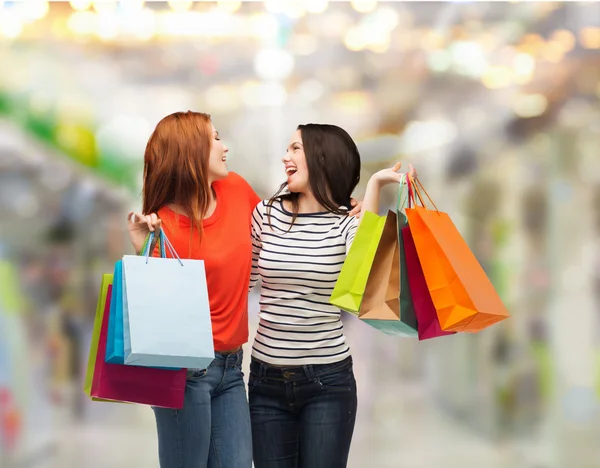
145, 385
428, 324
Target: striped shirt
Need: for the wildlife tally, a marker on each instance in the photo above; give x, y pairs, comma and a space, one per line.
298, 266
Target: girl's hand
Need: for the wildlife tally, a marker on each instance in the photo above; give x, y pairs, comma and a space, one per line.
139, 226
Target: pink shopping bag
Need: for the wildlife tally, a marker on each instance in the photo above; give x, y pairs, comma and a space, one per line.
144, 385
428, 324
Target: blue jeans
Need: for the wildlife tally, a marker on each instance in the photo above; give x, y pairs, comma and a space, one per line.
302, 417
212, 430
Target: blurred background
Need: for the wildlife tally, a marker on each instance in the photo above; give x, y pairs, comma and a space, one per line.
497, 105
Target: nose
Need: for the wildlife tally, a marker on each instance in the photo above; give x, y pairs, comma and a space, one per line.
286, 158
225, 149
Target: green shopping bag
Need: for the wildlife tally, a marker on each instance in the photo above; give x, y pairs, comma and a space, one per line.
387, 302
107, 280
350, 286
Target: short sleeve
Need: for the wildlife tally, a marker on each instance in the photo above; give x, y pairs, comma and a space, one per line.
248, 192
349, 227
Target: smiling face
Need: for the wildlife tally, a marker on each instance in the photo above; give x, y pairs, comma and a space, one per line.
296, 169
217, 167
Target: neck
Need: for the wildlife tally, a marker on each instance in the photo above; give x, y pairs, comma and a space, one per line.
307, 203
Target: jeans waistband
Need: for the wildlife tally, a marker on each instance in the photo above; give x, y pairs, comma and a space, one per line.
228, 359
296, 373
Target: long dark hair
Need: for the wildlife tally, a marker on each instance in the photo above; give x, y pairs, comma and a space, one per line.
333, 164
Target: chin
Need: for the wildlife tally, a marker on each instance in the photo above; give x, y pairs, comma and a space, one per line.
219, 175
296, 188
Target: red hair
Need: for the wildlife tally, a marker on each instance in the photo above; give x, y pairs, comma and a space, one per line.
176, 165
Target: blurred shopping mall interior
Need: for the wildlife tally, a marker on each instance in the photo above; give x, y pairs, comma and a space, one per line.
497, 104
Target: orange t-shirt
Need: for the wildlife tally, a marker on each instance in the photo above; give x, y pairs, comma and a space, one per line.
226, 249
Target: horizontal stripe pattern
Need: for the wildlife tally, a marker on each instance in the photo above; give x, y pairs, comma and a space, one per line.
298, 265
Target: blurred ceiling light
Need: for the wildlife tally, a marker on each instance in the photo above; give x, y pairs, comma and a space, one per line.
186, 24
433, 40
80, 5
230, 6
589, 38
11, 25
264, 25
82, 22
316, 6
36, 9
385, 18
497, 77
468, 58
524, 68
532, 105
142, 25
354, 40
553, 52
132, 6
364, 6
107, 27
380, 47
524, 64
425, 136
179, 6
273, 64
105, 6
565, 38
439, 61
532, 44
274, 6
294, 9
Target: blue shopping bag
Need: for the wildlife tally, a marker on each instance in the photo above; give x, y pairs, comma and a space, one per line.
115, 348
166, 312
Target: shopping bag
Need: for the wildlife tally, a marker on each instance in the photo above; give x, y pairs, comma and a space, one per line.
426, 315
408, 315
387, 303
350, 286
463, 295
115, 348
166, 312
100, 310
132, 384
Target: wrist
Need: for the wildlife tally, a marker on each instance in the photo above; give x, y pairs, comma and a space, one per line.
374, 182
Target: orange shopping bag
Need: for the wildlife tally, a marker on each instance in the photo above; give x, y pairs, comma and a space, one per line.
463, 295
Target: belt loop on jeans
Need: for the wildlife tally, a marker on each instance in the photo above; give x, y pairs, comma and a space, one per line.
309, 370
262, 373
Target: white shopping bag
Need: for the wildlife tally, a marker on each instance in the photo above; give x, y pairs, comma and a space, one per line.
166, 312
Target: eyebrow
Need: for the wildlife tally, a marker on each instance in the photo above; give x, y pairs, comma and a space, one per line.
296, 143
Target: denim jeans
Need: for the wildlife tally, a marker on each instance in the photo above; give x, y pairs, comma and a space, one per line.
212, 430
302, 417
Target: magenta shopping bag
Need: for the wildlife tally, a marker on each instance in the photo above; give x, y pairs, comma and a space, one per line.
145, 385
428, 324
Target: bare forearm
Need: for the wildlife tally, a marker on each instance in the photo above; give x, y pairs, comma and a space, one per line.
371, 200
